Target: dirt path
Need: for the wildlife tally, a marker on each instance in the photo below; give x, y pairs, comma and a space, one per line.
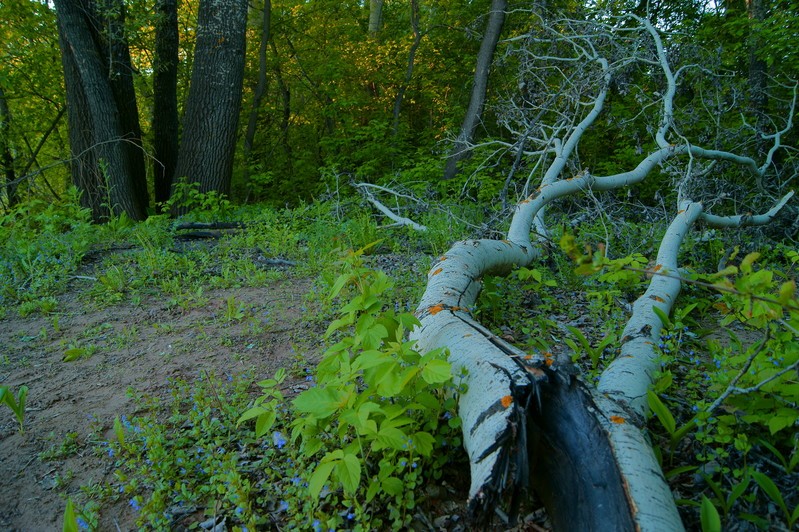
72, 404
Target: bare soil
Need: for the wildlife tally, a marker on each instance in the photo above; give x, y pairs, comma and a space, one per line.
128, 346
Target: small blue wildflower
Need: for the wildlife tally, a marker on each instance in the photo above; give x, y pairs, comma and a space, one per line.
283, 506
403, 463
296, 481
135, 504
82, 524
695, 408
447, 415
350, 516
718, 363
309, 378
111, 452
317, 526
239, 510
413, 465
278, 439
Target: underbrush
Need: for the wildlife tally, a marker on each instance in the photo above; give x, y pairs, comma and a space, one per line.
360, 448
356, 450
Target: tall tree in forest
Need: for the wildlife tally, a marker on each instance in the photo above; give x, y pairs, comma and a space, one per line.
485, 56
210, 122
417, 40
260, 88
6, 157
165, 102
375, 16
104, 131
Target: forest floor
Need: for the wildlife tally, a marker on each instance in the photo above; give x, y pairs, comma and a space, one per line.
139, 347
143, 345
132, 348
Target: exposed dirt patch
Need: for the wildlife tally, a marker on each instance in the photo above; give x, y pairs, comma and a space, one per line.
124, 346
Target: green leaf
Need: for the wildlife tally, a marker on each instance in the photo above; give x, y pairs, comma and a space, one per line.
319, 401
119, 431
737, 491
70, 520
437, 371
338, 324
372, 490
73, 354
664, 318
709, 516
348, 472
392, 485
319, 478
374, 335
680, 470
392, 438
662, 411
340, 283
423, 443
771, 489
778, 422
369, 359
265, 422
252, 413
748, 261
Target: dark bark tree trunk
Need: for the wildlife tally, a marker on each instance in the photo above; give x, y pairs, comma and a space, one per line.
165, 100
485, 56
285, 96
417, 40
7, 159
105, 138
211, 118
260, 89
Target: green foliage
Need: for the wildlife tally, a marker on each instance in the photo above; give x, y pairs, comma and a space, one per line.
204, 206
379, 408
265, 408
15, 403
41, 245
189, 458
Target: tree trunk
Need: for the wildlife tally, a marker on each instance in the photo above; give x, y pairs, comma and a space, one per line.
165, 100
260, 90
758, 75
375, 16
417, 40
211, 118
104, 134
7, 159
485, 57
285, 121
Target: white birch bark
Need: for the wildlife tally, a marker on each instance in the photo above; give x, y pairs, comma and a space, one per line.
501, 380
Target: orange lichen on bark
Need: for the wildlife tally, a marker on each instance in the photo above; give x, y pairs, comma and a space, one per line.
507, 401
618, 420
658, 299
435, 309
437, 271
548, 358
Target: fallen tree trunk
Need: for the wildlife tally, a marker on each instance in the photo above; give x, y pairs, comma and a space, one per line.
591, 461
527, 421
